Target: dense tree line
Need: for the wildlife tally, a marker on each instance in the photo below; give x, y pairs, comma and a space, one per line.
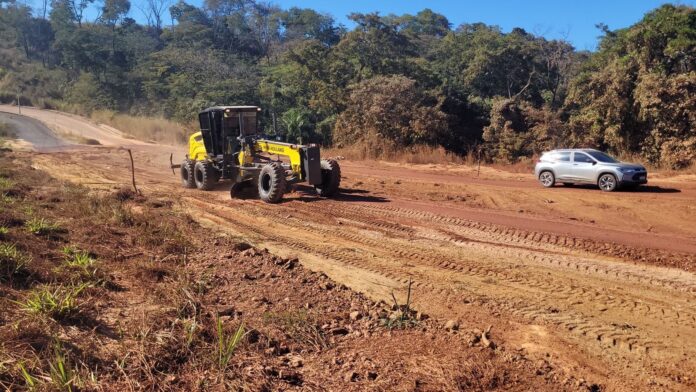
391, 82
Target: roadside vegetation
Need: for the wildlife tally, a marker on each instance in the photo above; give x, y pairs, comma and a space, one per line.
392, 83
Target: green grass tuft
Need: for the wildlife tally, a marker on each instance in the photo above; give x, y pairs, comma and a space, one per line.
6, 183
41, 226
59, 303
12, 261
29, 381
78, 258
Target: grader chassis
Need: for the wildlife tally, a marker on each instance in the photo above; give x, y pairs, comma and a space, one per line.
229, 147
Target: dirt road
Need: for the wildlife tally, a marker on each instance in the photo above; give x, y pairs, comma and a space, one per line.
32, 133
67, 126
598, 284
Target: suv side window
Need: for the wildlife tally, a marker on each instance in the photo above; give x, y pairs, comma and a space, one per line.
582, 158
563, 156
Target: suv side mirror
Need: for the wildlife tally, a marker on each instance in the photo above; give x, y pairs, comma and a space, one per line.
594, 163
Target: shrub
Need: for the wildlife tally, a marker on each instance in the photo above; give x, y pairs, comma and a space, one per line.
389, 111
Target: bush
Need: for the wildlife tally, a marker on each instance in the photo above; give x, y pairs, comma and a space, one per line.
389, 111
518, 129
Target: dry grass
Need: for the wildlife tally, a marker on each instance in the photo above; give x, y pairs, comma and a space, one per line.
420, 154
152, 129
79, 139
523, 165
6, 131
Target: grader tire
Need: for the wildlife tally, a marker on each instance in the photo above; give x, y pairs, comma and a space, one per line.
187, 177
330, 178
272, 183
205, 175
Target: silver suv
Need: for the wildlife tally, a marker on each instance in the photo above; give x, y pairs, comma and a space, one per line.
587, 166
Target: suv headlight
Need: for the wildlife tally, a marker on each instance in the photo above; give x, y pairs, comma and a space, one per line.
626, 170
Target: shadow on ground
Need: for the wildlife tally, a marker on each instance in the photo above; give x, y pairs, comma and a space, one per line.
308, 194
640, 189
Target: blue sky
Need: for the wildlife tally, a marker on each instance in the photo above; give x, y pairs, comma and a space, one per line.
572, 20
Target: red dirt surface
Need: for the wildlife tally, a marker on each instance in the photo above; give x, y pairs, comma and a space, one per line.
598, 285
146, 320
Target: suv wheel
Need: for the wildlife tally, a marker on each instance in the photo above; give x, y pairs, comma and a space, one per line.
547, 179
607, 182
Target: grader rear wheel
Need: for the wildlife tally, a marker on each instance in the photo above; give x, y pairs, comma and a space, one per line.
205, 175
187, 179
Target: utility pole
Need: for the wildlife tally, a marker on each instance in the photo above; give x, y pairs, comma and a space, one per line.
19, 104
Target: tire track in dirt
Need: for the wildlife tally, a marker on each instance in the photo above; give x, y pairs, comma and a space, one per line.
380, 256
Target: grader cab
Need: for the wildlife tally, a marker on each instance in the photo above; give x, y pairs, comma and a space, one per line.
229, 146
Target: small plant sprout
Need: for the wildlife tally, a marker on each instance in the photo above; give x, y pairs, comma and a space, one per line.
29, 381
227, 343
3, 231
61, 373
404, 316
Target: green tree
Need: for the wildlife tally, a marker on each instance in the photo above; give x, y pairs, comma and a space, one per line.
636, 93
88, 94
295, 121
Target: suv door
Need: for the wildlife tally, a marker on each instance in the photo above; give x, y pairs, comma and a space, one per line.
583, 168
562, 165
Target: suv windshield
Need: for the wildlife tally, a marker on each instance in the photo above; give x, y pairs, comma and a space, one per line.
602, 157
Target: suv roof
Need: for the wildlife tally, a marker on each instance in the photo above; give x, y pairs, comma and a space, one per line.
572, 149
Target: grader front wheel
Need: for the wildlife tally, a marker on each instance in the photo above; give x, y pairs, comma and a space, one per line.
330, 178
272, 183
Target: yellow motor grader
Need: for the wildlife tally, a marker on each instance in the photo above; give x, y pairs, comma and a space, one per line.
229, 147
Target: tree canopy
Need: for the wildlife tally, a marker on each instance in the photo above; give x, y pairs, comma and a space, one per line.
403, 79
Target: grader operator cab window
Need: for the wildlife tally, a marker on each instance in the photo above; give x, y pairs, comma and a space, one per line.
232, 121
231, 124
248, 123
